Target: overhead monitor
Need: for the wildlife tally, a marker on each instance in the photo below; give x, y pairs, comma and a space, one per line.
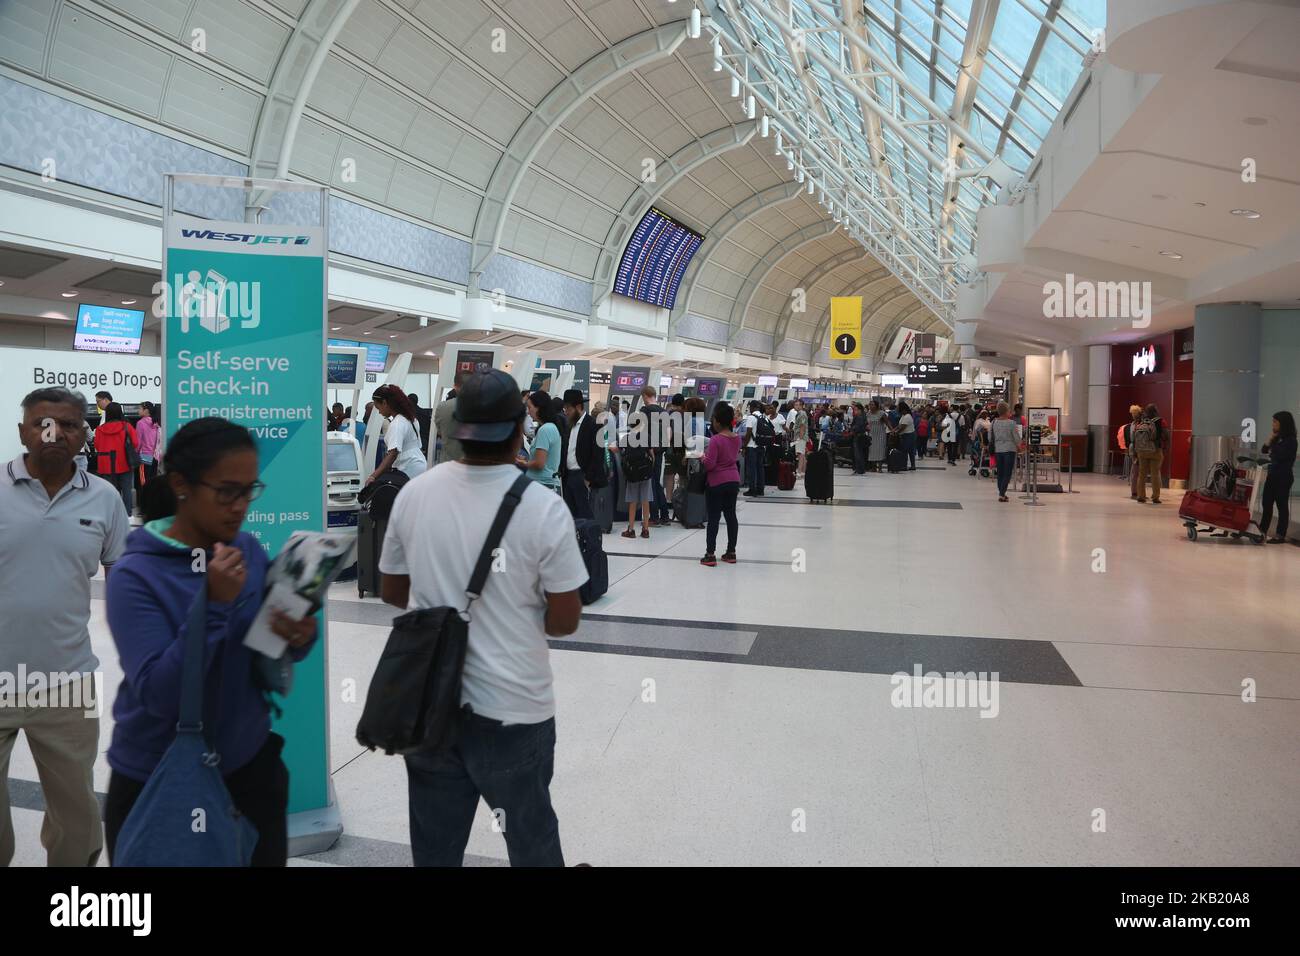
887, 379
799, 383
103, 329
376, 354
767, 381
655, 259
665, 381
689, 383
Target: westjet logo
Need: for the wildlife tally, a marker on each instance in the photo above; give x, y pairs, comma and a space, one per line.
253, 239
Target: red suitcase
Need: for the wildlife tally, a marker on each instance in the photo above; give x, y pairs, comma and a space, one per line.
785, 476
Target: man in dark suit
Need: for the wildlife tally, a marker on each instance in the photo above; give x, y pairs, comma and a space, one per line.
584, 463
425, 417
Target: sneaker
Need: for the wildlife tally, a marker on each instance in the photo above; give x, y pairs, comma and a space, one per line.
730, 556
1273, 540
709, 561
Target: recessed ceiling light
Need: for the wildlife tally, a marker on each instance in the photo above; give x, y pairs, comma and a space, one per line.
1246, 213
335, 328
1170, 255
433, 354
392, 336
1200, 204
1, 282
68, 295
128, 301
365, 333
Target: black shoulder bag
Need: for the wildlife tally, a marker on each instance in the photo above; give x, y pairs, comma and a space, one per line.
414, 696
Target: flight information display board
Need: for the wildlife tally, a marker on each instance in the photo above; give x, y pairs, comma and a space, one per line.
655, 259
934, 373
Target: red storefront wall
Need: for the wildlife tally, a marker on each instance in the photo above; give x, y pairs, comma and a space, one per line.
1169, 387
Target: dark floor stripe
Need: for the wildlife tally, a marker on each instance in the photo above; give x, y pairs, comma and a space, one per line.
864, 652
685, 557
862, 503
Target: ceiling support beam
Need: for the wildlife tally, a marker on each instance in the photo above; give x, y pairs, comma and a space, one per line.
716, 234
607, 66
295, 74
762, 268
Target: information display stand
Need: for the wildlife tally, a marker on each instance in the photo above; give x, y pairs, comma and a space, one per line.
244, 338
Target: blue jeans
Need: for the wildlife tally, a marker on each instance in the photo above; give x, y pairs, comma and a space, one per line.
510, 767
755, 463
1006, 461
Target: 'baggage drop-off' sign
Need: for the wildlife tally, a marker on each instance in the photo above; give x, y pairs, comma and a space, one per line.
846, 327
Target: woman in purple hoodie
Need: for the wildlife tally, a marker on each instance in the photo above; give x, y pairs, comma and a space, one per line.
195, 508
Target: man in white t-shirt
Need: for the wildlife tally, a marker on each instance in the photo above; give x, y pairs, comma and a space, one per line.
505, 742
753, 454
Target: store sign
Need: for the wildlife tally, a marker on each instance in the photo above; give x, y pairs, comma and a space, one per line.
1145, 361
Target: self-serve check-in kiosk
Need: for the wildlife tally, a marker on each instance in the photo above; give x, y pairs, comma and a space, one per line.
467, 357
343, 477
710, 390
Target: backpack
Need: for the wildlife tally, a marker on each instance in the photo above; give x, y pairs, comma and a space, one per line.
1120, 437
764, 431
1221, 481
923, 427
378, 496
638, 464
1144, 438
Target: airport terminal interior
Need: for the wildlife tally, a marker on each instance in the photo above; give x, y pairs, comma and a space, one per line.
1075, 222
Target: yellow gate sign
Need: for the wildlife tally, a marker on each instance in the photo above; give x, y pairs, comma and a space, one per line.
846, 327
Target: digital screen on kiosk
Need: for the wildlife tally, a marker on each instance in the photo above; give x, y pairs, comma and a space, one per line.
341, 368
376, 355
708, 388
627, 379
101, 329
474, 361
655, 259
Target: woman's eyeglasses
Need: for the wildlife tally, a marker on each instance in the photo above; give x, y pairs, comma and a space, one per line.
230, 493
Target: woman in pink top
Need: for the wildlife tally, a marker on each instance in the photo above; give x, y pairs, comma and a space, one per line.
722, 483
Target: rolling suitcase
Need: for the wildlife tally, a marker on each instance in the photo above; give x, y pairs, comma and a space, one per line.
771, 459
897, 460
593, 556
819, 476
689, 505
370, 546
602, 506
785, 475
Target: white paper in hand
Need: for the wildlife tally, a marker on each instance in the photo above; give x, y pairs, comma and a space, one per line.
260, 637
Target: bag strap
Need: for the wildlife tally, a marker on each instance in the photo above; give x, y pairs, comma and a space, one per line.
511, 501
191, 711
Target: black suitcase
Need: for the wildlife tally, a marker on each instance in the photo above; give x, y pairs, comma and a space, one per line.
593, 556
819, 476
771, 461
897, 460
602, 506
370, 545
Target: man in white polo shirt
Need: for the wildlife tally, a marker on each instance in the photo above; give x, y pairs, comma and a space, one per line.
504, 750
68, 524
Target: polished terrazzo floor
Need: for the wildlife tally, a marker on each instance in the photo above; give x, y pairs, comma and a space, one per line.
774, 736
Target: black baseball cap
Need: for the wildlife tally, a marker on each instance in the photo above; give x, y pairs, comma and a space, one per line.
488, 407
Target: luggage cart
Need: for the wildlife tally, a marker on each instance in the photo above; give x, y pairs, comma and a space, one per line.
1228, 516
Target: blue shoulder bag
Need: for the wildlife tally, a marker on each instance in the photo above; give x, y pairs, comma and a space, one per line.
185, 815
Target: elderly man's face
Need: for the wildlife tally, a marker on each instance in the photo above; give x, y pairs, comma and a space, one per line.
53, 433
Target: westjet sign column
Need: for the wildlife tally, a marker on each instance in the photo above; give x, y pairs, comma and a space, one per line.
244, 339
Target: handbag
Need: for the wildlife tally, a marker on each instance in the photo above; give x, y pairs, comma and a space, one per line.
186, 788
414, 695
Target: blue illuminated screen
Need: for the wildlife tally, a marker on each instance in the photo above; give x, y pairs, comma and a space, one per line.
655, 259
